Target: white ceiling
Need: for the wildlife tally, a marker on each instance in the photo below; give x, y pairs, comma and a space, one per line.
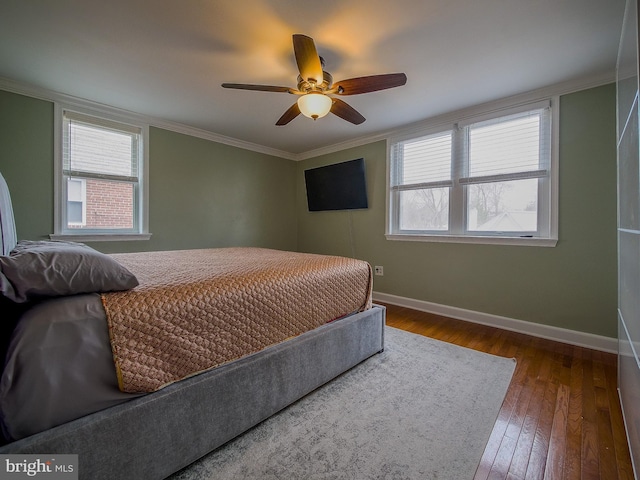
167, 58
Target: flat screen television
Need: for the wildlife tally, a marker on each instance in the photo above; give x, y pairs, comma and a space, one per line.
340, 186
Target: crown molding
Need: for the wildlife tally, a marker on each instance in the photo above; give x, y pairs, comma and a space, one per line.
215, 137
563, 88
70, 100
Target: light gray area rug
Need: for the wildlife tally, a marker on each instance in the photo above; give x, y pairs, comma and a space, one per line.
422, 409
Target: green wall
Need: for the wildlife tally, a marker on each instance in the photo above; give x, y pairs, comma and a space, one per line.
205, 194
26, 162
572, 286
202, 193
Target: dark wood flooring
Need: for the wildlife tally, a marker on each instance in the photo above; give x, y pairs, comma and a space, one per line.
561, 418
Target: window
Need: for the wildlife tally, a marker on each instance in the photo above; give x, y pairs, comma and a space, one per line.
486, 178
77, 202
101, 183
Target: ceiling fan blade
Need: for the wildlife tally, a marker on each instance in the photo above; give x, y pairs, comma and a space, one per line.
307, 58
289, 115
345, 111
373, 83
261, 88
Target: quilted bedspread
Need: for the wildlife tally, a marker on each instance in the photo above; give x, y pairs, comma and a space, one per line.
197, 309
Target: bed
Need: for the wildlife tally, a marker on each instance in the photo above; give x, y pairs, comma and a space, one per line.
147, 388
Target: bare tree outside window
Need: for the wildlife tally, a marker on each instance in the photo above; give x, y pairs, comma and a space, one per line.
425, 209
503, 206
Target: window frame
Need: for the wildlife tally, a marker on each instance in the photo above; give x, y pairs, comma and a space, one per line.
140, 230
457, 231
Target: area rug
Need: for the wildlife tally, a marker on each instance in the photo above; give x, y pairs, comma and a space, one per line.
422, 409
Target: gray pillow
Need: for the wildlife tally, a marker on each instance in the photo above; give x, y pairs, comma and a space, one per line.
55, 268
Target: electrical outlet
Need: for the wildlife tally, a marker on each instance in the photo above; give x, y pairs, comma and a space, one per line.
379, 270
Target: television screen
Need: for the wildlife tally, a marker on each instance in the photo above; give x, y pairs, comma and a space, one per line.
340, 186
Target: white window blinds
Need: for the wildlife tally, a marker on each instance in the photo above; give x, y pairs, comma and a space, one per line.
508, 148
99, 148
424, 162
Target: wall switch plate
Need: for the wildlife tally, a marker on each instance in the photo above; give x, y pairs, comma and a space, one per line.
378, 270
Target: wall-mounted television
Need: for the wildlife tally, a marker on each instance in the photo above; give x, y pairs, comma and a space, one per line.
340, 186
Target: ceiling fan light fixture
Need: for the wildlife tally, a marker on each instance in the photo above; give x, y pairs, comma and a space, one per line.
314, 105
314, 99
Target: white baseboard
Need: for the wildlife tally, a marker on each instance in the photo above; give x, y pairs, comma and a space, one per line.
572, 337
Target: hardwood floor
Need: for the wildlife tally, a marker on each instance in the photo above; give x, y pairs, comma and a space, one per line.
561, 417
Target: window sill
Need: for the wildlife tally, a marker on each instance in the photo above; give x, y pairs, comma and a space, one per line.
100, 237
481, 240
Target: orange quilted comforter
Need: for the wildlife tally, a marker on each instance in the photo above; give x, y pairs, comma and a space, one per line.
197, 309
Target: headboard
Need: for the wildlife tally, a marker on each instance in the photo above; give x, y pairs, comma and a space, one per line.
10, 311
8, 235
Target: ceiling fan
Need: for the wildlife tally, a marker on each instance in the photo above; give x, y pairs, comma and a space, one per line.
316, 88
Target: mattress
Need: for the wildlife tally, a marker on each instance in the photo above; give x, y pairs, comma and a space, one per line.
197, 309
60, 364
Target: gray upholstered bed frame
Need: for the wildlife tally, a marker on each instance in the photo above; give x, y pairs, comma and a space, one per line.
155, 435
